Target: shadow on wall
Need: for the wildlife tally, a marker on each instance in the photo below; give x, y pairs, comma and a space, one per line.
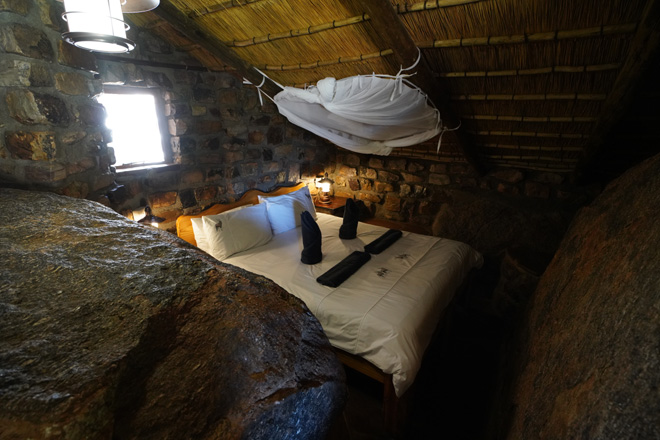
492, 222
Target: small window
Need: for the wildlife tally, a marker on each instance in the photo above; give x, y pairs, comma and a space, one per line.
134, 119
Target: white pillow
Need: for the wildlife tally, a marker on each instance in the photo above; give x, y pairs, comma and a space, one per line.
200, 236
198, 230
284, 211
236, 231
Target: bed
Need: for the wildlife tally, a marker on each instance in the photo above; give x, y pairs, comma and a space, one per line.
382, 318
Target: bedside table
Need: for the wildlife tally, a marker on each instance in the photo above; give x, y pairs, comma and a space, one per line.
335, 207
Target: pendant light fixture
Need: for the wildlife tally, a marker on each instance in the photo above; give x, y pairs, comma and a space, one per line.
98, 25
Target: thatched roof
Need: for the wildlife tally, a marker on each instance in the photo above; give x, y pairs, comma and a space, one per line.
535, 83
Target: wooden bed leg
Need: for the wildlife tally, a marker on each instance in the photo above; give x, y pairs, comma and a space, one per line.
391, 409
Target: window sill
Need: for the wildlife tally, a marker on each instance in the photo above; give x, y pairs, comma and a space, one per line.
147, 168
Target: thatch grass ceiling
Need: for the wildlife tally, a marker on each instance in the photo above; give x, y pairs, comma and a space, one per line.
534, 83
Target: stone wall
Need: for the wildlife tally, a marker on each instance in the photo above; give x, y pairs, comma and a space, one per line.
223, 140
451, 200
53, 137
51, 131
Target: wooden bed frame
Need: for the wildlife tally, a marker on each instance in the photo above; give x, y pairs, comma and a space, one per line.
394, 411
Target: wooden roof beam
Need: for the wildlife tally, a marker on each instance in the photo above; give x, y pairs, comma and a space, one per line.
386, 23
196, 34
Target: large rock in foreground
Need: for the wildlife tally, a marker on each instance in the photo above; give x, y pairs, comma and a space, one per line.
591, 362
114, 330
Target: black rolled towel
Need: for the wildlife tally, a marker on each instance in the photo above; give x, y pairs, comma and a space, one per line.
311, 238
348, 229
383, 242
340, 272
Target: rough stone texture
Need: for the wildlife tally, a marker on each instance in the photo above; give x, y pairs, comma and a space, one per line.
16, 6
431, 185
34, 146
36, 108
14, 73
71, 83
25, 40
115, 330
70, 55
492, 222
590, 358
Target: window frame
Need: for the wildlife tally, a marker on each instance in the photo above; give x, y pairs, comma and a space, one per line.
159, 103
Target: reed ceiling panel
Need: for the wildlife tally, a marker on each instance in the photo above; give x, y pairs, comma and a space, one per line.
508, 68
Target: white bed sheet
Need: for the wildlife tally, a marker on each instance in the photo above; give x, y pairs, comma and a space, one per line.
388, 310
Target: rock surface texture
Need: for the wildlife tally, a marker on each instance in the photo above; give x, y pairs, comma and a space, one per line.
493, 222
591, 355
115, 330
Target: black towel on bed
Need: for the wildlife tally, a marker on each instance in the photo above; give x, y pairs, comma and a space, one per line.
311, 238
383, 242
340, 272
348, 229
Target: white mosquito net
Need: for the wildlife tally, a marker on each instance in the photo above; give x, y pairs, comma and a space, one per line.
366, 114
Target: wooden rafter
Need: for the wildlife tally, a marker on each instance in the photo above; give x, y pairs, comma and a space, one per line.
222, 6
531, 119
536, 134
323, 63
350, 21
535, 71
599, 31
196, 34
533, 97
386, 23
533, 148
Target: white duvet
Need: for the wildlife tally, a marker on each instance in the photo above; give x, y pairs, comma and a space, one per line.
388, 310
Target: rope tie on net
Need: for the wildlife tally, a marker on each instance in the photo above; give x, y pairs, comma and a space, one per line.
263, 80
444, 129
400, 77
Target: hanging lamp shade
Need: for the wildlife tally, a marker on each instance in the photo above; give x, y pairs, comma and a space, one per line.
132, 6
98, 25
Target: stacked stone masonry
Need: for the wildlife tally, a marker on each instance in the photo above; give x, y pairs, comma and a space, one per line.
221, 141
412, 190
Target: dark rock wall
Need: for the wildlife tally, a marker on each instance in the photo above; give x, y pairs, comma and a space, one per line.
115, 330
52, 134
589, 356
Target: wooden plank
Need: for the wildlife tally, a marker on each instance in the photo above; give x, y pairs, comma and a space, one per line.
645, 45
386, 23
194, 32
391, 419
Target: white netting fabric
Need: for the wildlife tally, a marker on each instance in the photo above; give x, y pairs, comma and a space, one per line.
366, 114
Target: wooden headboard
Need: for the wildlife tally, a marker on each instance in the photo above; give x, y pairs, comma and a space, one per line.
184, 224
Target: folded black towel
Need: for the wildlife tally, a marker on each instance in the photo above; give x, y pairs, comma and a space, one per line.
383, 242
311, 238
348, 229
340, 272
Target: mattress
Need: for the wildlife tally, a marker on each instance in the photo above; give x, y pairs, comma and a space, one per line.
387, 311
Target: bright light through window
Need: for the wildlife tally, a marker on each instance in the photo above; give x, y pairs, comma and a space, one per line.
134, 123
